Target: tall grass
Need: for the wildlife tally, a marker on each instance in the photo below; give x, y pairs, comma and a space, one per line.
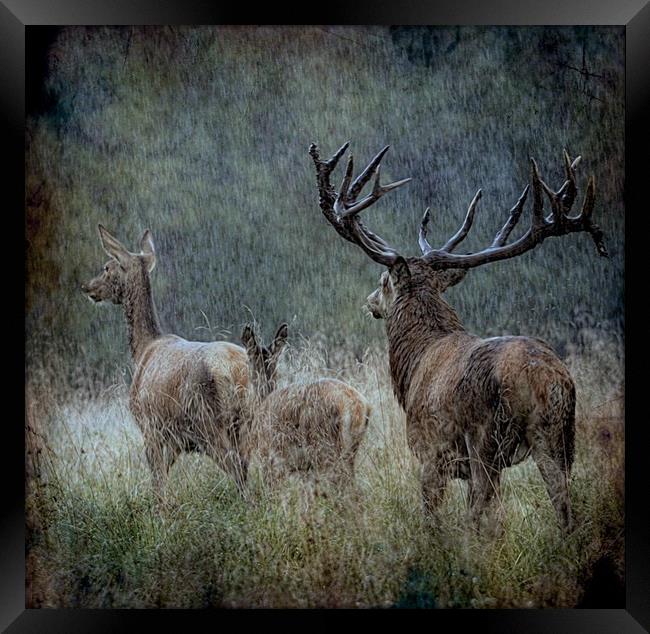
100, 540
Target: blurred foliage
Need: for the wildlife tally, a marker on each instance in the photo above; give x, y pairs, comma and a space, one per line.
201, 134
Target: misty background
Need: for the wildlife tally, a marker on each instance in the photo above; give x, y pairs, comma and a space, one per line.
201, 134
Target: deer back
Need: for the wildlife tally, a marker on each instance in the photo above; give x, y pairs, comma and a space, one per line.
178, 381
313, 423
467, 382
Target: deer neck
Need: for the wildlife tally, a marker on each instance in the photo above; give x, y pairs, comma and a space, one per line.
141, 315
256, 396
414, 325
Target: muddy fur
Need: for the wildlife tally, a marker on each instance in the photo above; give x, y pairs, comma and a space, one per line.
313, 430
185, 396
473, 406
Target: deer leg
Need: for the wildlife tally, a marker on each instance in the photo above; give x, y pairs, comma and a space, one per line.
552, 450
343, 470
160, 458
484, 483
223, 447
348, 470
235, 462
273, 469
556, 478
482, 488
435, 474
349, 482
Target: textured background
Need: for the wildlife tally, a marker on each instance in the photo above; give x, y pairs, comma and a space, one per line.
201, 135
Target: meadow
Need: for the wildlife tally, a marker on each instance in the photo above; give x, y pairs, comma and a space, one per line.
201, 135
100, 540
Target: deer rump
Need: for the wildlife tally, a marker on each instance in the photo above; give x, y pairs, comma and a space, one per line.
487, 403
187, 395
314, 427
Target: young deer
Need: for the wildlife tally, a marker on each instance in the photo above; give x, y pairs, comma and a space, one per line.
312, 428
473, 406
185, 395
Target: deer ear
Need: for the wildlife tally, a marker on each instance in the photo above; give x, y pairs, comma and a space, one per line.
248, 339
113, 246
280, 339
148, 250
451, 278
400, 271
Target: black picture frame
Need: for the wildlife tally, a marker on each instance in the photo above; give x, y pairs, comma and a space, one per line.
17, 15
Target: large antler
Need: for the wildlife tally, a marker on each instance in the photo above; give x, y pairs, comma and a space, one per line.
558, 223
342, 208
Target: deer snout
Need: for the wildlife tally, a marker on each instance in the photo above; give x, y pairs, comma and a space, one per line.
373, 305
90, 292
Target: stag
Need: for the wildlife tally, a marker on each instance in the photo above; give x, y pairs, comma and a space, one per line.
309, 429
473, 406
186, 396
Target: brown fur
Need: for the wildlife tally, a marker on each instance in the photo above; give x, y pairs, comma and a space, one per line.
312, 429
185, 396
473, 406
315, 429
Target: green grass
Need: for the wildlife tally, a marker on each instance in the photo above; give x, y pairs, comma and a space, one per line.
98, 538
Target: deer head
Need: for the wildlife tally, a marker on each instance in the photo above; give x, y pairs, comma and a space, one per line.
437, 269
122, 271
263, 360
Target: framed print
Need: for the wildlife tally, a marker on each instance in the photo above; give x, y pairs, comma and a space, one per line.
326, 315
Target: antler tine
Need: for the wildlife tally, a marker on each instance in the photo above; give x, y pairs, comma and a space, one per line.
515, 213
381, 252
585, 218
552, 196
461, 234
331, 164
557, 224
361, 180
570, 166
345, 185
314, 153
378, 191
344, 218
378, 240
387, 188
567, 165
557, 212
590, 197
425, 247
538, 201
568, 191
